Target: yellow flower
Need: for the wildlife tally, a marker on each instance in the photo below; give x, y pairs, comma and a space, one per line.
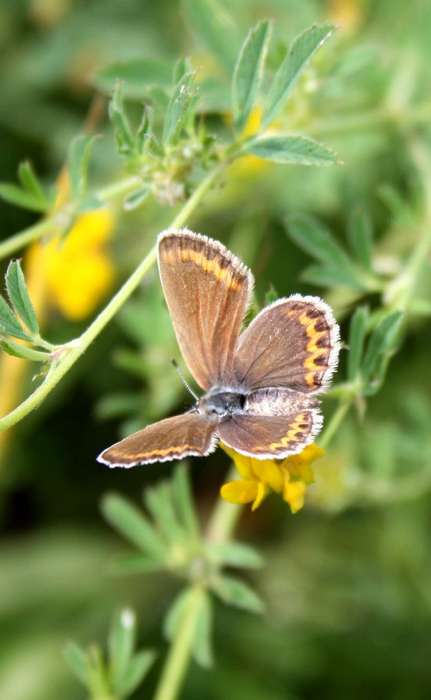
250, 165
346, 13
289, 477
76, 268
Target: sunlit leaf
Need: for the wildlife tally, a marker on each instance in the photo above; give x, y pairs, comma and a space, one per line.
234, 554
19, 296
21, 198
297, 58
178, 110
8, 322
297, 150
248, 72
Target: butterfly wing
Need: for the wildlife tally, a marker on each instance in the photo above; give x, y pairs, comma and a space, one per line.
292, 343
172, 438
207, 291
275, 423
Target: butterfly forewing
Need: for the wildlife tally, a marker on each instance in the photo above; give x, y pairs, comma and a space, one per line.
172, 438
292, 343
207, 291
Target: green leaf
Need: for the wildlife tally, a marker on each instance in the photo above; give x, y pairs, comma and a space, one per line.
77, 661
248, 72
327, 276
136, 75
181, 68
382, 339
135, 673
123, 133
179, 108
314, 238
8, 322
19, 296
296, 150
234, 554
136, 198
121, 643
31, 184
235, 592
357, 334
361, 238
300, 53
158, 500
23, 352
183, 501
202, 647
21, 198
174, 615
133, 525
78, 162
215, 29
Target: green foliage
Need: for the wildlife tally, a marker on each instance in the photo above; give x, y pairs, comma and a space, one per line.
364, 243
336, 265
123, 670
248, 72
291, 149
30, 195
170, 540
291, 67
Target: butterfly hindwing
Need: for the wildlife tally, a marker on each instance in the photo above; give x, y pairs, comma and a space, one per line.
268, 437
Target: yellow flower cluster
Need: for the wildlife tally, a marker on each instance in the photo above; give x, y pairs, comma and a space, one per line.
76, 269
288, 477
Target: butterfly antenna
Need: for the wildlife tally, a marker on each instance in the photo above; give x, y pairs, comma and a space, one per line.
184, 381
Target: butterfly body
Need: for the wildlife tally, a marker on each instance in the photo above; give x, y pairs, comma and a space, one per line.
221, 403
260, 384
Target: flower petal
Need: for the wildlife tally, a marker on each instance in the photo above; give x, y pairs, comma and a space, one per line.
293, 494
242, 463
268, 471
241, 492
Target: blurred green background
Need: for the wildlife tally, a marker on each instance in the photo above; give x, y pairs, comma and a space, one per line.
347, 581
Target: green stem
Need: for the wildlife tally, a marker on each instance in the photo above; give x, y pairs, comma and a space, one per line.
220, 528
35, 232
71, 352
20, 240
224, 517
335, 422
180, 651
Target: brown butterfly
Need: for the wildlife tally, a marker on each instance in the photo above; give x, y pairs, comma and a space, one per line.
260, 384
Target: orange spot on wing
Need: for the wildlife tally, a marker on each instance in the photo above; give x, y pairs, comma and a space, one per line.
210, 265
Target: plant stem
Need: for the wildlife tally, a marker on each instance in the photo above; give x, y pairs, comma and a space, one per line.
181, 648
20, 240
333, 425
73, 351
224, 517
220, 528
33, 233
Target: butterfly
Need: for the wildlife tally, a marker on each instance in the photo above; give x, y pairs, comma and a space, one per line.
260, 384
